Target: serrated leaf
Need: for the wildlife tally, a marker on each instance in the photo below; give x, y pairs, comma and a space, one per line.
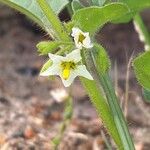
92, 18
76, 5
46, 47
141, 66
46, 66
146, 94
101, 59
33, 11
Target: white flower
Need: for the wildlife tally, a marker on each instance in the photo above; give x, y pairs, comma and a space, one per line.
82, 39
68, 68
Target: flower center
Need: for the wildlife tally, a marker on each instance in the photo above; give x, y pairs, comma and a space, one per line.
81, 38
66, 69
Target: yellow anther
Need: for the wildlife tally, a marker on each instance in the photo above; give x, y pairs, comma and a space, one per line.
66, 69
66, 73
81, 38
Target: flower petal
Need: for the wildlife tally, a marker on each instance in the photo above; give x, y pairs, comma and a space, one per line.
55, 57
75, 56
53, 70
75, 31
87, 41
69, 81
82, 71
78, 44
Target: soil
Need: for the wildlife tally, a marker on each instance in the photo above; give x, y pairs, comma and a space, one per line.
30, 115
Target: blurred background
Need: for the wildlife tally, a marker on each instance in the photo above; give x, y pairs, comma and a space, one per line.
31, 107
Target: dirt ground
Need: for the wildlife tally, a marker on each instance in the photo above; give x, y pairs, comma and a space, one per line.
30, 115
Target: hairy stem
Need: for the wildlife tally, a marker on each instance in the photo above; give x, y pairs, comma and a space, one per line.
99, 102
102, 109
117, 112
106, 83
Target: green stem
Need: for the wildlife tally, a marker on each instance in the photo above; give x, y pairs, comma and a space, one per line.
54, 20
102, 108
142, 31
117, 112
106, 83
67, 119
99, 102
106, 140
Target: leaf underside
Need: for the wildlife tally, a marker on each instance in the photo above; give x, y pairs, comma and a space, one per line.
31, 9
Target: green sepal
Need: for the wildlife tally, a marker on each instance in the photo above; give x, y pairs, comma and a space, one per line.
141, 66
46, 47
68, 26
46, 66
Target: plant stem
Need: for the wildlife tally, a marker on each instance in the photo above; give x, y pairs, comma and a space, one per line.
106, 140
127, 86
67, 119
99, 102
140, 27
54, 20
102, 109
106, 83
117, 112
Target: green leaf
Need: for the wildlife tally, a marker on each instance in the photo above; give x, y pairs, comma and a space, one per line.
46, 66
141, 66
76, 5
102, 61
146, 94
46, 47
98, 2
92, 18
126, 18
33, 11
135, 7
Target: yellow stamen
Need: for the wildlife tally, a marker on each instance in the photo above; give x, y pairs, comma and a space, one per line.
66, 69
66, 74
81, 38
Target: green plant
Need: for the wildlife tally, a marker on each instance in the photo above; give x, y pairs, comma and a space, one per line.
92, 60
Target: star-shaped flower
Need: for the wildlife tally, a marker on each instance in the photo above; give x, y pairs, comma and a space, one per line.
82, 39
68, 67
